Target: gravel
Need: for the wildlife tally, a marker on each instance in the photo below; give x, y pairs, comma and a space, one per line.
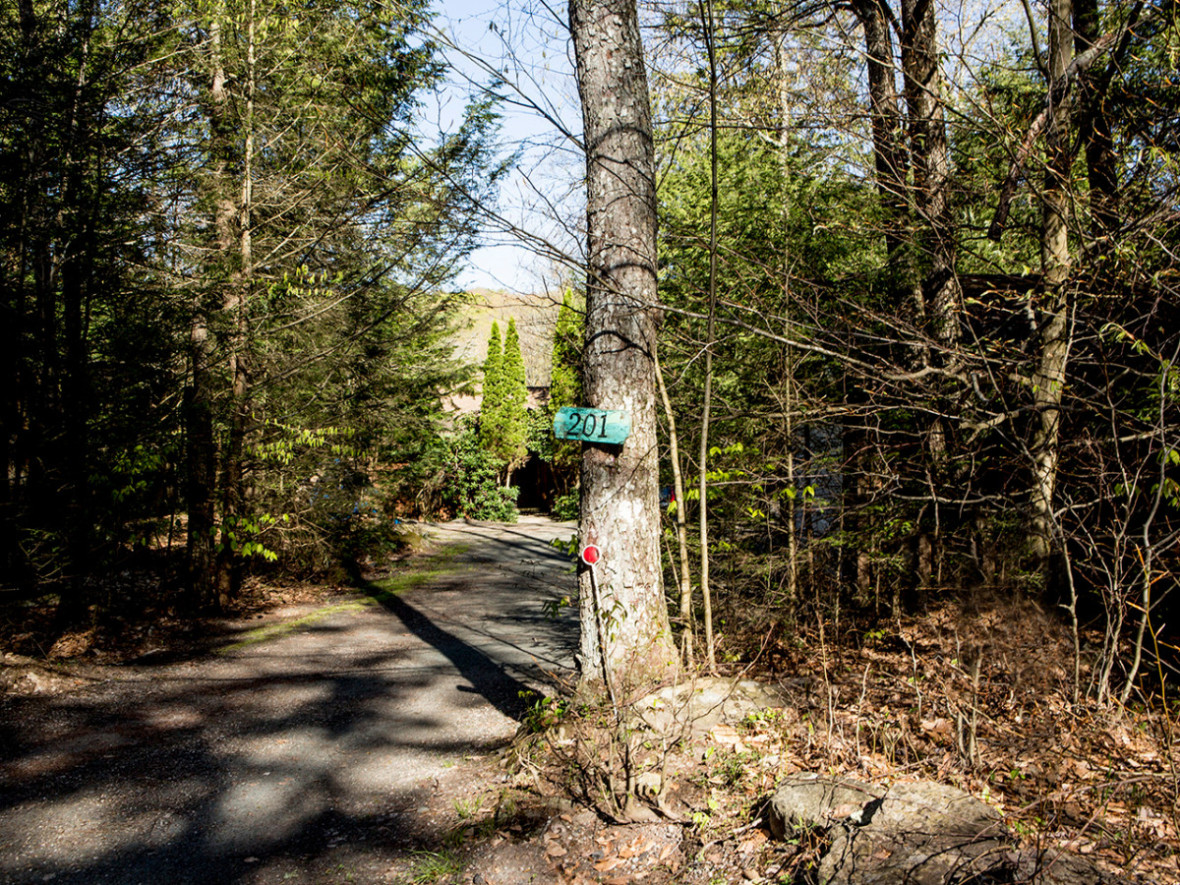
304, 757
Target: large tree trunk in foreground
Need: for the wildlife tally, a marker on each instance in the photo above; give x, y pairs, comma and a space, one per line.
620, 495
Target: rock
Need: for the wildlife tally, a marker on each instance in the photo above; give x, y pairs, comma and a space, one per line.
649, 784
924, 834
918, 834
696, 707
1060, 868
807, 801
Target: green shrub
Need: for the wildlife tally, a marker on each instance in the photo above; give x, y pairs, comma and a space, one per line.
567, 507
472, 488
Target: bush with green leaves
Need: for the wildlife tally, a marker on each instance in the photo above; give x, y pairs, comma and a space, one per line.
567, 507
472, 488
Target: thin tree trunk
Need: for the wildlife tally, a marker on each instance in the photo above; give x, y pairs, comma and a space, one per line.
889, 153
942, 293
706, 10
1049, 376
233, 491
891, 163
784, 158
202, 446
76, 270
685, 573
1094, 131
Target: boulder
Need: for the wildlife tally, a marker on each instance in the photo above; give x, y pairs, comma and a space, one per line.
1055, 867
697, 706
808, 801
923, 833
916, 834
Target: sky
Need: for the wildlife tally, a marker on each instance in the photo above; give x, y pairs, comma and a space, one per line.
524, 42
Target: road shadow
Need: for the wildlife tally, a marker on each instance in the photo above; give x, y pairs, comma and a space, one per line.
231, 779
308, 757
488, 677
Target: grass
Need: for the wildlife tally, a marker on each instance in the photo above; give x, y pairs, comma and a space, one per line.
431, 867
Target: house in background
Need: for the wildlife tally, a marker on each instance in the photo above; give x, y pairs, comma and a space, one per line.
536, 320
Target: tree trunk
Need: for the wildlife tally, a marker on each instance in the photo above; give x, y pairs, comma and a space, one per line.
204, 564
1094, 130
890, 160
684, 573
233, 481
76, 223
710, 338
788, 399
935, 240
889, 154
941, 292
620, 494
1049, 377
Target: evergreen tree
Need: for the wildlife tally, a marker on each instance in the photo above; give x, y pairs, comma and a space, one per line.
503, 426
491, 413
515, 402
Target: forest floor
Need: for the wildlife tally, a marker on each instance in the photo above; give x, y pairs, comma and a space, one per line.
328, 735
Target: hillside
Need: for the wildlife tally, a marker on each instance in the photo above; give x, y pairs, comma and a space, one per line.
536, 318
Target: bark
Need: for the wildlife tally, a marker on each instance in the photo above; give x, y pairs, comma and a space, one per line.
784, 157
1049, 376
941, 291
891, 163
233, 482
684, 575
1094, 131
76, 270
935, 240
710, 336
889, 153
204, 566
201, 461
620, 494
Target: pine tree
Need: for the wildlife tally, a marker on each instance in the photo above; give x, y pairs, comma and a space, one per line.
515, 403
491, 413
503, 430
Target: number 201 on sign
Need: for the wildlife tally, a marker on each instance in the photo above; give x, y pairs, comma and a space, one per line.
606, 426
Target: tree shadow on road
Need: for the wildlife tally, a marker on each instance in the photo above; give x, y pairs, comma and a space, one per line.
488, 677
296, 758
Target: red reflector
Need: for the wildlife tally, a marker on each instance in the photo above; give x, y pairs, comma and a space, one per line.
590, 554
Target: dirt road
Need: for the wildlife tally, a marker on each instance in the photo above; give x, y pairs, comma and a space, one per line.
303, 752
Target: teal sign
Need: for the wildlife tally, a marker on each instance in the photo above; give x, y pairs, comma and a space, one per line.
606, 426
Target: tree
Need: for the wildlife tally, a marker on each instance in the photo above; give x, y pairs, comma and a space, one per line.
515, 403
503, 427
625, 639
223, 243
306, 167
80, 352
1049, 378
491, 409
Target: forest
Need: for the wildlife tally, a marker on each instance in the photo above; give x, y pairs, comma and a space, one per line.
913, 315
917, 286
890, 289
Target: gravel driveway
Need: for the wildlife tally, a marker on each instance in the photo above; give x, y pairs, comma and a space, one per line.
303, 757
